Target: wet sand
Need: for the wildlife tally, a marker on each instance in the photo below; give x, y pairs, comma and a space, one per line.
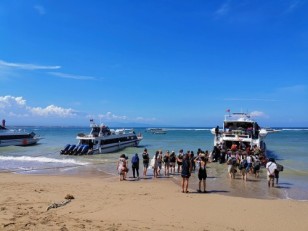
102, 202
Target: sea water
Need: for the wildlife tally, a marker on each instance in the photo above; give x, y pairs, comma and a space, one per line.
288, 147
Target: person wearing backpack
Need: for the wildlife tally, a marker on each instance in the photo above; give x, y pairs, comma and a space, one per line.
231, 162
243, 167
135, 165
146, 160
271, 167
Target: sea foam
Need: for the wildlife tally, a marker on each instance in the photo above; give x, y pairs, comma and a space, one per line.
41, 160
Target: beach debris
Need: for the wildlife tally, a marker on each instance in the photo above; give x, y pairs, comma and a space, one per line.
8, 224
58, 204
69, 197
67, 200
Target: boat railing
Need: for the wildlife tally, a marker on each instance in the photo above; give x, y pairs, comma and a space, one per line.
236, 134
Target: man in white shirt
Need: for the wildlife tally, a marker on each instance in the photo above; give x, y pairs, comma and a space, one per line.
270, 167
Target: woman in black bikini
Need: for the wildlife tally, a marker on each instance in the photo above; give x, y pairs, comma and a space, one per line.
202, 175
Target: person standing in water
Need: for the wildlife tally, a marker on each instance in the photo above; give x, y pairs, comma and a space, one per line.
146, 160
185, 173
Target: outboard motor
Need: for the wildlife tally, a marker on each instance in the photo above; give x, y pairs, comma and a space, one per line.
85, 149
78, 149
71, 148
64, 151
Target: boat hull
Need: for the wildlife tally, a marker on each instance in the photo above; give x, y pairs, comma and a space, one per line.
116, 147
103, 140
18, 142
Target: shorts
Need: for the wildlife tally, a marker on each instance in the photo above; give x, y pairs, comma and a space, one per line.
172, 164
270, 177
185, 175
145, 165
202, 175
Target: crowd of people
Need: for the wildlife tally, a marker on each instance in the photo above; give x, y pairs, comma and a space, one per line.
244, 161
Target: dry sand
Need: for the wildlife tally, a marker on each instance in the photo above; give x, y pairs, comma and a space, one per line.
105, 203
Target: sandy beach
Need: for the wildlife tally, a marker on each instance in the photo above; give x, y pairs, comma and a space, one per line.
105, 203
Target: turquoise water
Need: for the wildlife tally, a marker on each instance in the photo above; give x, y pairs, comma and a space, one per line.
287, 146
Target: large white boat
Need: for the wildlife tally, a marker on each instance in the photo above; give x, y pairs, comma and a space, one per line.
102, 139
240, 128
19, 137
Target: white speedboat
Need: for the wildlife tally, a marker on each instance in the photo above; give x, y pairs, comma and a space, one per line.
239, 128
12, 137
101, 139
272, 130
156, 130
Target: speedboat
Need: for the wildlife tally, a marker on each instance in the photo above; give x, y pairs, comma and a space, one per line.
156, 130
240, 129
102, 139
272, 130
19, 137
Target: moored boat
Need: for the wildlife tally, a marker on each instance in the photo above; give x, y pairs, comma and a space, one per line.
17, 137
240, 129
156, 130
102, 139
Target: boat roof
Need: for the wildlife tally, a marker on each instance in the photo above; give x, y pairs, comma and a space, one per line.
238, 117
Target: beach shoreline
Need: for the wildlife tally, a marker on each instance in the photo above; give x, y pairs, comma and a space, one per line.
102, 202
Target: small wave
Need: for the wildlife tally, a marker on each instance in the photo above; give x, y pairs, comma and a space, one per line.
188, 129
294, 129
42, 160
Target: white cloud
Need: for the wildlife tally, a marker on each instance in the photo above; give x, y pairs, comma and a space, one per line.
17, 107
141, 119
25, 66
224, 9
293, 5
53, 110
295, 89
70, 76
249, 99
109, 116
11, 102
40, 9
258, 114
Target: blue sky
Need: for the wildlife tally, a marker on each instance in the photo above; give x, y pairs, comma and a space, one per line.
159, 62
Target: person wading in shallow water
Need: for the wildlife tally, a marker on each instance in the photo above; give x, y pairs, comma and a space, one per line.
186, 170
146, 160
271, 167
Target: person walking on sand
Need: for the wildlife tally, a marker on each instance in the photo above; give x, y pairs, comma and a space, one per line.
186, 171
271, 167
202, 174
146, 160
122, 167
135, 165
